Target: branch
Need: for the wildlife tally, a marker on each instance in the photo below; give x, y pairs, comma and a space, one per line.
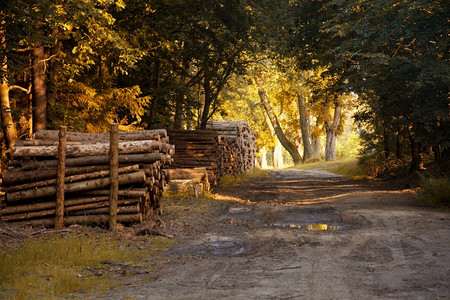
18, 87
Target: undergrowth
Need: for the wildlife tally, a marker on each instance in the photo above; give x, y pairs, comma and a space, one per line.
434, 190
58, 265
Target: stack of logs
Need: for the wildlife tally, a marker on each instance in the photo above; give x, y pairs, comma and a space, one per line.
29, 185
237, 146
225, 148
197, 148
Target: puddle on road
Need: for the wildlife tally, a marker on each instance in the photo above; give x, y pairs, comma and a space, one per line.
310, 227
308, 219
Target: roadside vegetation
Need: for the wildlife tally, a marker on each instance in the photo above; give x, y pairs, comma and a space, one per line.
72, 264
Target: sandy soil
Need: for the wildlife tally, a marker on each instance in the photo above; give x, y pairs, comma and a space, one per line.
305, 235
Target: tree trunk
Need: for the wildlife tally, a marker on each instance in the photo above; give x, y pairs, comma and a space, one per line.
277, 156
288, 145
55, 67
416, 153
317, 146
263, 157
9, 126
207, 103
308, 150
330, 148
154, 104
5, 105
39, 89
387, 149
399, 150
178, 119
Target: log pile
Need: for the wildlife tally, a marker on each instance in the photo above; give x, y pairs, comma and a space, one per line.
30, 183
197, 148
225, 148
238, 146
194, 181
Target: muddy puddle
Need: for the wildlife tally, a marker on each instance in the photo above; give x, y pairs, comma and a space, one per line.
323, 219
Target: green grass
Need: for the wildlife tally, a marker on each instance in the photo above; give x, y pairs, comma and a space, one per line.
435, 190
57, 266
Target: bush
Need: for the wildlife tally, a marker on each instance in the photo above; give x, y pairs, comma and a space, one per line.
435, 190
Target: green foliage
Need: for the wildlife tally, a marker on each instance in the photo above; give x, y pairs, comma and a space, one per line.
435, 190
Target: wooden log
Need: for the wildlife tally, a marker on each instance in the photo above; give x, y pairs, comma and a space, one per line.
133, 209
84, 137
90, 219
10, 210
96, 160
87, 150
184, 174
14, 177
130, 178
68, 210
113, 175
122, 193
59, 214
68, 179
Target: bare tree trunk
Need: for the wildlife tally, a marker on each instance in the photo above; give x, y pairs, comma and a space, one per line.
263, 157
399, 150
308, 150
287, 144
387, 149
277, 156
39, 89
416, 153
332, 126
157, 85
207, 104
178, 120
55, 67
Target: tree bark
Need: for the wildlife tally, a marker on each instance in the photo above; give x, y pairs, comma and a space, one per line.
308, 150
277, 156
387, 149
416, 153
332, 126
399, 148
263, 157
206, 105
59, 215
288, 145
113, 175
178, 119
39, 89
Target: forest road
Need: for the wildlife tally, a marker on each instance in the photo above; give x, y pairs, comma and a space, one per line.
307, 234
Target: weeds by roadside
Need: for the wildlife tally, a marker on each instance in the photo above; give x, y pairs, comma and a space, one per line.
435, 190
77, 263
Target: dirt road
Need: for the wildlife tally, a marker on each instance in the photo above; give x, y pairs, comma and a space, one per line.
307, 235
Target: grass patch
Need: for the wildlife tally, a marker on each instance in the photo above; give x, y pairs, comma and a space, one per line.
57, 265
349, 168
435, 190
232, 180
